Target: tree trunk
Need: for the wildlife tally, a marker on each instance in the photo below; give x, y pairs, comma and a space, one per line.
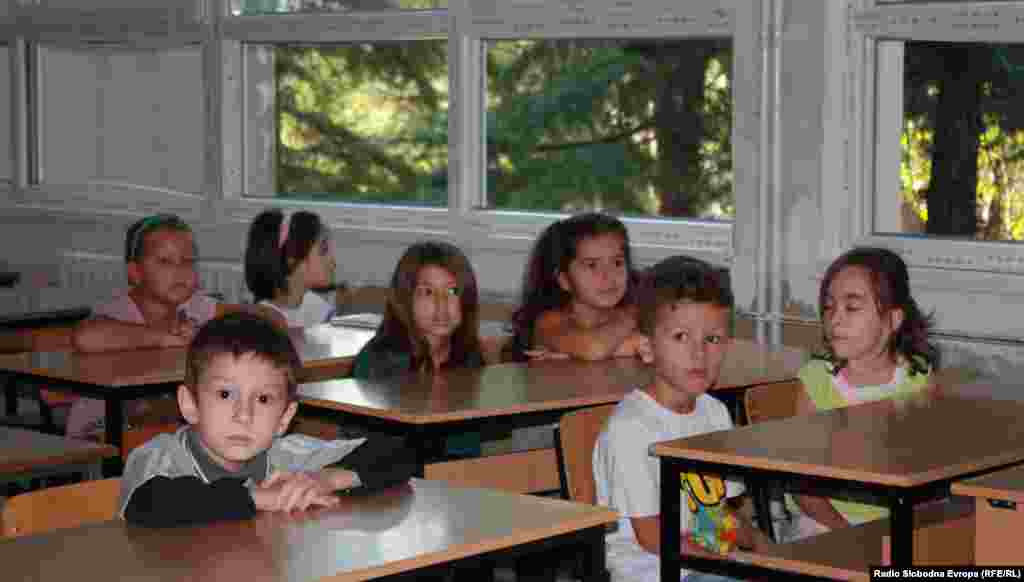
679, 124
952, 192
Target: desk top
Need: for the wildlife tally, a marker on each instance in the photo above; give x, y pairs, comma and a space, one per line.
28, 450
507, 389
877, 442
318, 346
1007, 484
398, 530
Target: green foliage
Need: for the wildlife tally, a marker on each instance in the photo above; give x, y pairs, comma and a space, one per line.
570, 125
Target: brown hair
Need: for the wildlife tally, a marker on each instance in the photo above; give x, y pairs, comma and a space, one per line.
890, 281
681, 278
397, 331
241, 334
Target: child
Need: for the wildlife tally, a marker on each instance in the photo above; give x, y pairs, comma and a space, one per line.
162, 307
430, 323
238, 397
685, 312
876, 347
577, 293
287, 255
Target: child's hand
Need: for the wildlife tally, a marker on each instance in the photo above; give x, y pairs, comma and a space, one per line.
285, 491
636, 345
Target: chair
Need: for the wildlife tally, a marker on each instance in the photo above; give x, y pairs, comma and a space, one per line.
61, 507
575, 439
764, 403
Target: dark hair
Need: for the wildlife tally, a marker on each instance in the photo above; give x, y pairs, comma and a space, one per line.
552, 253
681, 278
891, 283
135, 238
268, 259
239, 334
397, 331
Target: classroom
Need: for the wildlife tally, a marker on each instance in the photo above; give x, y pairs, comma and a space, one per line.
766, 139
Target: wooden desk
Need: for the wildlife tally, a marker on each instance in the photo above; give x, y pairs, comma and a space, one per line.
998, 514
877, 452
27, 452
416, 529
116, 377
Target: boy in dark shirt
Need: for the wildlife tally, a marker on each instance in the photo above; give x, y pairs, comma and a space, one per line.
238, 397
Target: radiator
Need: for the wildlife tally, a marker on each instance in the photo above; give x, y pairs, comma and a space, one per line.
91, 278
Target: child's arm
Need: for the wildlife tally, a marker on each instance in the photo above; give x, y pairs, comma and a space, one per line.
378, 463
817, 508
166, 502
101, 334
558, 332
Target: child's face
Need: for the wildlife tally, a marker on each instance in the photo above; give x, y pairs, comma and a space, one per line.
317, 269
597, 276
436, 305
688, 343
854, 325
241, 405
166, 271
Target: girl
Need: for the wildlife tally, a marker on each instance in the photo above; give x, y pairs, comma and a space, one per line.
876, 347
162, 308
430, 323
577, 293
287, 255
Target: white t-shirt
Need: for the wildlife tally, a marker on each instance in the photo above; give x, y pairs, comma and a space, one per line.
627, 475
313, 310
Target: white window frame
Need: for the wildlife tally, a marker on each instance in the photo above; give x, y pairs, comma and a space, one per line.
874, 86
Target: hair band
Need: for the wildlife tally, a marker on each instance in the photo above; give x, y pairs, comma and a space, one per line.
282, 231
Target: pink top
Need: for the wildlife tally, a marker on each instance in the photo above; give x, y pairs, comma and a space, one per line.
199, 309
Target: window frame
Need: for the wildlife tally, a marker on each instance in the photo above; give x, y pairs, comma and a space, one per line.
870, 22
466, 218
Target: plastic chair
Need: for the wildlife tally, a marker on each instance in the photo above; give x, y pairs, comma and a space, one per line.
61, 507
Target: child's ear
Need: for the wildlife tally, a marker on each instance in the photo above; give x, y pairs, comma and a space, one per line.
134, 273
286, 417
187, 404
896, 316
563, 281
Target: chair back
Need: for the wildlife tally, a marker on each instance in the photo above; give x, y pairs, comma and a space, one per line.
772, 401
578, 431
61, 507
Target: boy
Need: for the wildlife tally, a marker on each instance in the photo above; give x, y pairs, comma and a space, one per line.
238, 398
685, 311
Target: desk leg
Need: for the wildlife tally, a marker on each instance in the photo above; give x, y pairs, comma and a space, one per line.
595, 568
114, 435
670, 508
11, 395
901, 531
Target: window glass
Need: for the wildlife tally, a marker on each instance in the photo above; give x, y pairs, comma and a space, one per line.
634, 126
255, 7
961, 142
363, 122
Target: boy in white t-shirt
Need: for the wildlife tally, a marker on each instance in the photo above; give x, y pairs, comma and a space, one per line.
685, 312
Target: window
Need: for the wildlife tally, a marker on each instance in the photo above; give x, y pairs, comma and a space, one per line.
119, 116
364, 122
639, 127
961, 140
934, 164
257, 7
